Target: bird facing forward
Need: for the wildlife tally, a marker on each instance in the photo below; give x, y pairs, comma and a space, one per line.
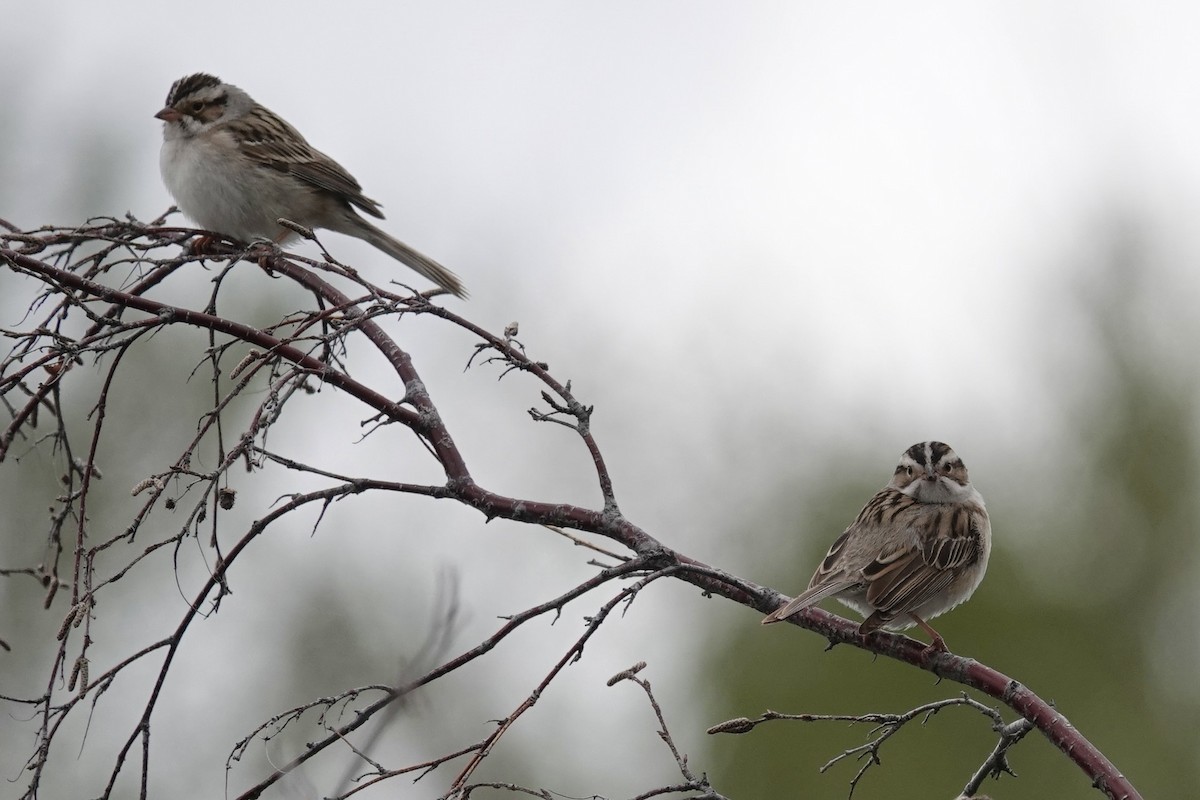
235, 167
917, 549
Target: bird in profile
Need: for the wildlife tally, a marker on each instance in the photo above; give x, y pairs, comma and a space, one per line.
236, 168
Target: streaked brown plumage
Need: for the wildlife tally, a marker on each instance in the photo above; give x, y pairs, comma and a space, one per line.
236, 167
916, 550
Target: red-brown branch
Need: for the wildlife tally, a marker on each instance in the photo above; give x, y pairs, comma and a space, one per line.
418, 412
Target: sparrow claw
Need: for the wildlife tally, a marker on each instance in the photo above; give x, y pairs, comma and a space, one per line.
203, 245
935, 648
938, 645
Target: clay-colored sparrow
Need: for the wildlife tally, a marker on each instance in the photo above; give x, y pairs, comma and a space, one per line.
917, 549
235, 168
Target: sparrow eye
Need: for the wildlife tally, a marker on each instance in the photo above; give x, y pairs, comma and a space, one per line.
196, 106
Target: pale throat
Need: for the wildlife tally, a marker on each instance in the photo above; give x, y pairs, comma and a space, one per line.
943, 490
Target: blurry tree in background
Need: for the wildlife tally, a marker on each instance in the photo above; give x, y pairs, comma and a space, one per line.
1089, 599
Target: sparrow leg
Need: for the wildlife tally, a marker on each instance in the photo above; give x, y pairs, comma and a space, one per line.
938, 645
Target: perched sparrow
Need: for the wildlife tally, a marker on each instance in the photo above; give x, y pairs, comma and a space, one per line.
917, 549
235, 168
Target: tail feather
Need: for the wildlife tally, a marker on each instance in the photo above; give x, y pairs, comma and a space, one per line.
398, 250
809, 597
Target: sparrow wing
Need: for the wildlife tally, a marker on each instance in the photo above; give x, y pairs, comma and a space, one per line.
902, 579
274, 143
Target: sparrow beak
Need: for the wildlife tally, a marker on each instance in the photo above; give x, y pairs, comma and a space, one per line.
169, 114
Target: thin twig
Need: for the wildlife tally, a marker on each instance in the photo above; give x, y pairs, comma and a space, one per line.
886, 726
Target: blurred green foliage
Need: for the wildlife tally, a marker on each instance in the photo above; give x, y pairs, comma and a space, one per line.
1088, 599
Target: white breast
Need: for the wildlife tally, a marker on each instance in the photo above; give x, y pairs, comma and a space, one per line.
221, 192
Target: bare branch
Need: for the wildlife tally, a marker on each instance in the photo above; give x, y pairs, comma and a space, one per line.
97, 304
888, 724
693, 783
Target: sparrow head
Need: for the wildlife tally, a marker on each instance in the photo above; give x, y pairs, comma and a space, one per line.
196, 102
931, 472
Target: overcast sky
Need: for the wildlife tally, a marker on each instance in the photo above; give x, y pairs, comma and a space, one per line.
840, 197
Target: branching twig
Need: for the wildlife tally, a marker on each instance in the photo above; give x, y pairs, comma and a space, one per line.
997, 762
693, 783
887, 725
98, 304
